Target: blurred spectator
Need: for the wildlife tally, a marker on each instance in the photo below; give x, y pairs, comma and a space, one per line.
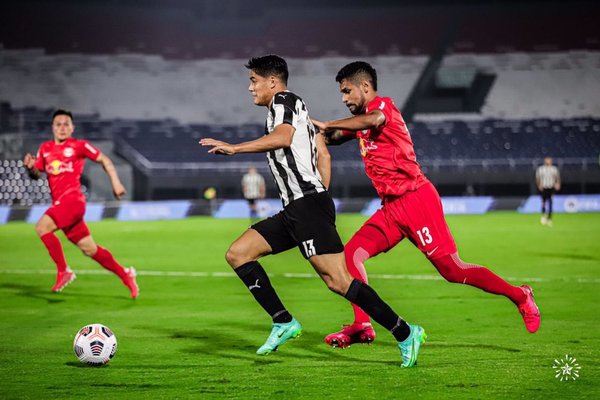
547, 180
253, 187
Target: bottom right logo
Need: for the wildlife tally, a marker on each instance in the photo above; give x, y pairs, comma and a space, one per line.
566, 368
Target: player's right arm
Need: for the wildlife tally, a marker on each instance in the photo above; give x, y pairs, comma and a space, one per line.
29, 163
538, 181
281, 137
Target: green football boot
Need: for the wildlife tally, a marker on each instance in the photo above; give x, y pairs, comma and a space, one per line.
409, 348
280, 334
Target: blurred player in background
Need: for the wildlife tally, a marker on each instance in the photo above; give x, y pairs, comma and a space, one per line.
300, 164
547, 180
63, 159
253, 188
411, 205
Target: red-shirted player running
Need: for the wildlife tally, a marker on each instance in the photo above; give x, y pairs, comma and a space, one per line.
62, 159
411, 206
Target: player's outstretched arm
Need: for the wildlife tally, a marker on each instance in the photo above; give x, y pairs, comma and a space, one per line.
28, 163
373, 119
333, 136
323, 160
108, 166
280, 137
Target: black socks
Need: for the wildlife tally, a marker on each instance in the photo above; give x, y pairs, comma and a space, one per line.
366, 298
256, 280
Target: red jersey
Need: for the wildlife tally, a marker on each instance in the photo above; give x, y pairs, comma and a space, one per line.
388, 152
63, 164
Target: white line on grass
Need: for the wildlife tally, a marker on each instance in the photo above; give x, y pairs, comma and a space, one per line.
199, 274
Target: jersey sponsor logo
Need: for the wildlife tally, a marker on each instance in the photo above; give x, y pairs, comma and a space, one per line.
382, 105
366, 145
44, 155
68, 152
58, 167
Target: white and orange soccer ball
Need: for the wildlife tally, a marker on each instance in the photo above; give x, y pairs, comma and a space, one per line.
95, 344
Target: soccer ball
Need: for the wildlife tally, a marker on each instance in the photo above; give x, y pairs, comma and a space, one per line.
95, 344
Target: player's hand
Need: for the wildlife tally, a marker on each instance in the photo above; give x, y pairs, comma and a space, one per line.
320, 125
29, 161
218, 147
119, 190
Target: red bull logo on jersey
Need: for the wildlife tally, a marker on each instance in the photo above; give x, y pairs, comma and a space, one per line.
57, 167
68, 152
366, 145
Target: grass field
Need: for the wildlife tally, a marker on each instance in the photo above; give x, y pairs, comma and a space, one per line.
194, 329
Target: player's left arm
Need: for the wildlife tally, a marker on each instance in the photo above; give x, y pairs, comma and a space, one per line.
557, 184
370, 120
29, 163
323, 160
281, 137
111, 171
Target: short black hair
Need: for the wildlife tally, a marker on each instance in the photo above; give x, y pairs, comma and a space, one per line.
269, 65
60, 111
356, 70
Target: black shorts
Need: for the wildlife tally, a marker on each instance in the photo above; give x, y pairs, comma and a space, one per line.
308, 223
547, 194
251, 201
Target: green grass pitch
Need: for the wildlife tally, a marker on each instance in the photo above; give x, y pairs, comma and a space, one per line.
193, 331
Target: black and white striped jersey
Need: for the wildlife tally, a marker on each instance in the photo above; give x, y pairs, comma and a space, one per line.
547, 176
294, 168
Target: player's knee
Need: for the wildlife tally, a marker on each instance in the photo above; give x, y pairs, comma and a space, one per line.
41, 228
235, 255
336, 286
88, 250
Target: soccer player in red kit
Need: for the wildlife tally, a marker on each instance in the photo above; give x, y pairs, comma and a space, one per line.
63, 159
411, 207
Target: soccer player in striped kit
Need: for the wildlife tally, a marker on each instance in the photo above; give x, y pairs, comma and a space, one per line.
63, 159
253, 188
411, 206
299, 162
547, 180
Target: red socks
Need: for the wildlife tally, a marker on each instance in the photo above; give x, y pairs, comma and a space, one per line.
106, 259
453, 269
55, 250
367, 242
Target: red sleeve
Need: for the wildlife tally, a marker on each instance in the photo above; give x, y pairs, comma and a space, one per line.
39, 161
89, 151
348, 133
383, 104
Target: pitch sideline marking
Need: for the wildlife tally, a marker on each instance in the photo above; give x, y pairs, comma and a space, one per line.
199, 274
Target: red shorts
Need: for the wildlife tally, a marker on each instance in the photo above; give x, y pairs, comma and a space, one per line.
67, 213
419, 216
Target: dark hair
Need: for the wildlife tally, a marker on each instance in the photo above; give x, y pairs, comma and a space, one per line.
357, 70
60, 111
269, 65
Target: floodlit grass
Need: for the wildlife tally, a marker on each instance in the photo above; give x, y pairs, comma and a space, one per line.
192, 336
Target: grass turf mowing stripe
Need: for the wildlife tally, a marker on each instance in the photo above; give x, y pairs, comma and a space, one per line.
289, 275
